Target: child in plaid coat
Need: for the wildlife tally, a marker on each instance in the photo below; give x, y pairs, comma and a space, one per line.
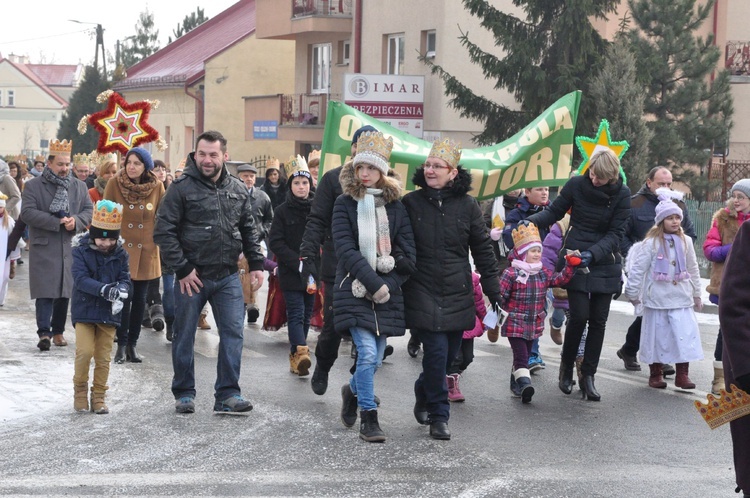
523, 289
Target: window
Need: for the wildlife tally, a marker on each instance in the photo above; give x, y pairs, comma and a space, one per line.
11, 98
321, 68
344, 49
1, 98
428, 43
395, 62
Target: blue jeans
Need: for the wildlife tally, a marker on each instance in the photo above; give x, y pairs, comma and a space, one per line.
225, 296
440, 349
558, 318
370, 348
299, 308
167, 297
51, 314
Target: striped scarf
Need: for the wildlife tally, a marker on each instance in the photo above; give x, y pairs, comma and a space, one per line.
373, 244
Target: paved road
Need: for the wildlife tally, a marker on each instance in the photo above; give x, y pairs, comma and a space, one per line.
636, 442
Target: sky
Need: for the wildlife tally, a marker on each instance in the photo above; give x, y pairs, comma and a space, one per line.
41, 28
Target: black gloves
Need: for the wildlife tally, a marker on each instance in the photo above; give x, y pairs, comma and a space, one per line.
307, 269
110, 292
405, 266
586, 258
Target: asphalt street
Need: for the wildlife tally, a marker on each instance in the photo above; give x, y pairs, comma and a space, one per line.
637, 441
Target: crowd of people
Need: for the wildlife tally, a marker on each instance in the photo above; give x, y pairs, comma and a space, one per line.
353, 257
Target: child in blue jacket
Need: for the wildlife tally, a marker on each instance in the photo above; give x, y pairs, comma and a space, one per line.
101, 282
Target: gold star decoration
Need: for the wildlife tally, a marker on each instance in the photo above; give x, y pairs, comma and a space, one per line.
590, 146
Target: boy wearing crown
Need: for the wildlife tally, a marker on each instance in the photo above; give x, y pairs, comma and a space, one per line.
101, 277
523, 291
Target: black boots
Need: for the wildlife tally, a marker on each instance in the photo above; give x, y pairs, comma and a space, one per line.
156, 314
348, 406
589, 389
369, 428
566, 377
131, 354
170, 331
439, 430
319, 381
120, 354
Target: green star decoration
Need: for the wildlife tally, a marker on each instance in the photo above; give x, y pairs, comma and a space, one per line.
589, 146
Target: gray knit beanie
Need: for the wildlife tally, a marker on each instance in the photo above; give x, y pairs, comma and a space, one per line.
743, 186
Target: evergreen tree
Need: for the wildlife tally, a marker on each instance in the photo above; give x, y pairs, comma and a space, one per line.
82, 102
691, 113
188, 24
618, 97
143, 43
553, 51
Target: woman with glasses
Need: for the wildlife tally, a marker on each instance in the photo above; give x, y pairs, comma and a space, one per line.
439, 296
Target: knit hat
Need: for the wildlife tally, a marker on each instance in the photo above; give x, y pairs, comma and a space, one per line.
667, 205
106, 221
526, 237
374, 149
143, 155
357, 133
743, 186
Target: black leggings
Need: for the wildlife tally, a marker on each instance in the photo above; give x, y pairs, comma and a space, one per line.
591, 309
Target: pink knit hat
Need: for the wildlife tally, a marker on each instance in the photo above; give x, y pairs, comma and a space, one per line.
667, 205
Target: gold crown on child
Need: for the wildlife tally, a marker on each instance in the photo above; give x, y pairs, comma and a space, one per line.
58, 147
523, 235
729, 405
447, 150
374, 142
107, 215
295, 165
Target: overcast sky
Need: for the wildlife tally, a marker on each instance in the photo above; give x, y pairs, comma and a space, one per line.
41, 30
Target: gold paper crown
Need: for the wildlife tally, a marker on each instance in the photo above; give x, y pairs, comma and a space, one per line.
107, 215
80, 159
20, 158
374, 142
447, 150
98, 159
182, 163
730, 405
40, 158
272, 163
58, 147
295, 165
524, 235
315, 154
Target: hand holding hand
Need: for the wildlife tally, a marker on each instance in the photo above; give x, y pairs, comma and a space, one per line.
698, 303
573, 260
586, 258
382, 295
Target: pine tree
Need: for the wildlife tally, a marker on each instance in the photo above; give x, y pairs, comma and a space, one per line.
618, 97
691, 114
82, 102
553, 51
188, 24
143, 43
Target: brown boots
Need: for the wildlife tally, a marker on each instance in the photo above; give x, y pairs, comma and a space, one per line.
80, 397
656, 380
718, 383
97, 402
682, 380
202, 322
299, 361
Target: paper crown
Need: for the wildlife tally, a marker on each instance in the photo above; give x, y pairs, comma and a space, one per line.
80, 159
20, 158
40, 158
447, 150
296, 166
730, 405
373, 148
272, 163
314, 154
58, 147
182, 163
525, 237
107, 215
98, 159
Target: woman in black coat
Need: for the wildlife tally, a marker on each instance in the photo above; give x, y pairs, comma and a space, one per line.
599, 204
440, 294
371, 231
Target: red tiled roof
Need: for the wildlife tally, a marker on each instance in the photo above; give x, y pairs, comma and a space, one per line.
56, 74
24, 69
183, 60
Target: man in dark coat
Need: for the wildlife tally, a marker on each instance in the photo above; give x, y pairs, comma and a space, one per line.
642, 215
55, 207
734, 318
317, 234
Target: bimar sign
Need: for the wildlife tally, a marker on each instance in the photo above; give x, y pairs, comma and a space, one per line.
394, 99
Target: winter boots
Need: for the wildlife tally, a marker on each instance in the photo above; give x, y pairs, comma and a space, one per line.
523, 387
682, 380
156, 314
655, 379
120, 354
348, 406
253, 313
80, 397
555, 333
97, 402
170, 330
12, 273
579, 363
454, 392
202, 322
369, 428
718, 383
299, 361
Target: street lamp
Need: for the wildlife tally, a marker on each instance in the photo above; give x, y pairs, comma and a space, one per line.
99, 42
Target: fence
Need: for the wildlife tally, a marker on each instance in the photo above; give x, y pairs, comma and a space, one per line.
701, 214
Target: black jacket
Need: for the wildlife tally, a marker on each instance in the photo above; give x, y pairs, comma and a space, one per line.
597, 224
285, 238
318, 231
349, 311
642, 216
277, 195
522, 210
204, 225
262, 212
446, 224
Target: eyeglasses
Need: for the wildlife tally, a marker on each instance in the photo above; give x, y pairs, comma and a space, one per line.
434, 167
739, 197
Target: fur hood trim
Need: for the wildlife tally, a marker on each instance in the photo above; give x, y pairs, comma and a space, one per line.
461, 184
353, 187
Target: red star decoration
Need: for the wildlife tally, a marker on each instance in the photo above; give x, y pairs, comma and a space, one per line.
122, 126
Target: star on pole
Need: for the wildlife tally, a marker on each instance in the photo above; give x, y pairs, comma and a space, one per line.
589, 146
122, 126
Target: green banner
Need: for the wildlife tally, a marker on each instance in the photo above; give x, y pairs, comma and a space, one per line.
540, 155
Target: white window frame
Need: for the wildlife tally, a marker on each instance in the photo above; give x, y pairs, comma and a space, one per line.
430, 51
397, 42
11, 98
320, 69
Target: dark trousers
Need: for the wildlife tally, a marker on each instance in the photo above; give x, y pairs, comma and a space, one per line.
440, 349
521, 351
299, 308
51, 315
464, 357
633, 337
329, 341
591, 309
132, 314
719, 347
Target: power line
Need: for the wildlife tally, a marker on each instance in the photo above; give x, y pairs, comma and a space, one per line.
46, 37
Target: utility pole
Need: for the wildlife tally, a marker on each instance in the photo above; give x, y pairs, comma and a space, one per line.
99, 43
